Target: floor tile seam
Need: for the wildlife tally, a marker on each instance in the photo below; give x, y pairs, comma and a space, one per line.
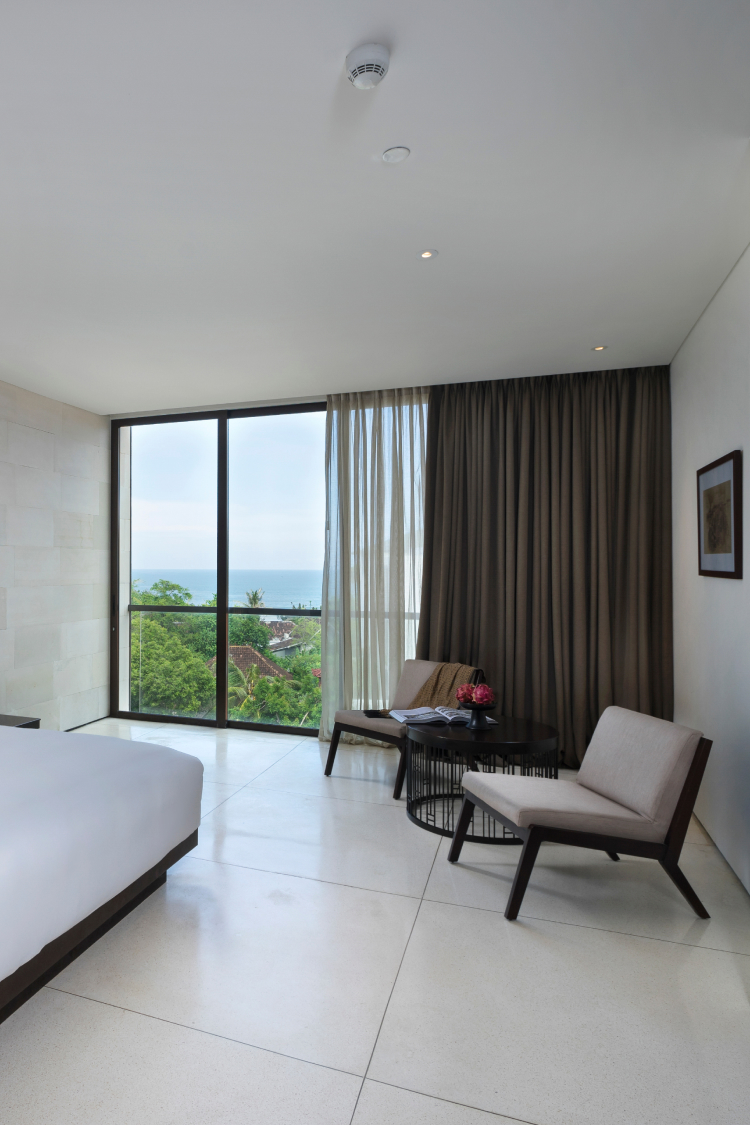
592, 929
395, 981
306, 878
245, 784
350, 800
260, 742
207, 735
209, 811
244, 749
201, 1031
203, 817
321, 796
387, 1005
356, 1100
642, 937
450, 1101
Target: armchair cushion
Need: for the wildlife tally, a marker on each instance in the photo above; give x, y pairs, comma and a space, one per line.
379, 726
414, 676
558, 804
639, 762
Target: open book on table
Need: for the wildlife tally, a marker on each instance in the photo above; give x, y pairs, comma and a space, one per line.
433, 715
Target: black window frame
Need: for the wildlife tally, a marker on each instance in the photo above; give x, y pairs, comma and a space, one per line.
222, 610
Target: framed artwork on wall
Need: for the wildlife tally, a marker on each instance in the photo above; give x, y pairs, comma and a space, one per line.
720, 517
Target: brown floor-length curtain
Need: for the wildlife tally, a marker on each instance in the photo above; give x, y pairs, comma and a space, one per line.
548, 543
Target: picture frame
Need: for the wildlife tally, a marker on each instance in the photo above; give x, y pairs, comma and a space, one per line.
720, 517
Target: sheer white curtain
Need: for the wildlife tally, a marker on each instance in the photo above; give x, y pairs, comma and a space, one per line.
372, 578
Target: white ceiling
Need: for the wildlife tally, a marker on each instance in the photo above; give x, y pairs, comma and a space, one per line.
193, 209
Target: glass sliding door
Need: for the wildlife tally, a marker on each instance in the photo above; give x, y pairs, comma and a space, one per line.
218, 524
173, 537
276, 487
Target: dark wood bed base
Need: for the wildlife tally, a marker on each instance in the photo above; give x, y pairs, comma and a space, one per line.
21, 985
667, 853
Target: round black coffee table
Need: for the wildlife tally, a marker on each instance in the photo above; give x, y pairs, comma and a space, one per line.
437, 756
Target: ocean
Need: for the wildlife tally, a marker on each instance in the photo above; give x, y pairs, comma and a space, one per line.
281, 588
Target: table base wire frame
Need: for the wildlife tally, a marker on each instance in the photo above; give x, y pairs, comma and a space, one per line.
434, 793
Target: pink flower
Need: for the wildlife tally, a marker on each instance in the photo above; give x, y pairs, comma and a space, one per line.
484, 694
465, 693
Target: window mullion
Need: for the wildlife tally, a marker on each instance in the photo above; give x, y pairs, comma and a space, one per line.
222, 573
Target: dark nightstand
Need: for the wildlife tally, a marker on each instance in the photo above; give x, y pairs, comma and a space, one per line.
18, 721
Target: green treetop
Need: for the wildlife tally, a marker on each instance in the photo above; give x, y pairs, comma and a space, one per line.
162, 592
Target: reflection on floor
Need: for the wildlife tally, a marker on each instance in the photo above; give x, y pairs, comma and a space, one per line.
316, 961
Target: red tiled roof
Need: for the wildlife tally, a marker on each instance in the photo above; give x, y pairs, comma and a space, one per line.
242, 656
279, 628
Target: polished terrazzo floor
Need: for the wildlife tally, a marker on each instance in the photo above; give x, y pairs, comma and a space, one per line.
316, 961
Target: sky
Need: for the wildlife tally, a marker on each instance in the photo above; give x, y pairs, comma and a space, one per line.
276, 493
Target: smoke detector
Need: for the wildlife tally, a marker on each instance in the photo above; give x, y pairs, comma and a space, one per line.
367, 66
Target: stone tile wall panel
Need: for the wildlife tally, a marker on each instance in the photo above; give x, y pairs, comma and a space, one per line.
54, 557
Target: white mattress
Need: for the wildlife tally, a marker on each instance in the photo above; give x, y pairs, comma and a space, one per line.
82, 817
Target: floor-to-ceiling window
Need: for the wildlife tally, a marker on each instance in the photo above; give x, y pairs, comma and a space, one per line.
173, 521
276, 537
218, 524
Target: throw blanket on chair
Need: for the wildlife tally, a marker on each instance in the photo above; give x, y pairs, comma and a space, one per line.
440, 689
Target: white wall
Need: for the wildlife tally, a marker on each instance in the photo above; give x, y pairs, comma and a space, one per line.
711, 417
54, 540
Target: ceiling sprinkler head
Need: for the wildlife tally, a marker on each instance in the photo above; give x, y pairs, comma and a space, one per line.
367, 66
396, 155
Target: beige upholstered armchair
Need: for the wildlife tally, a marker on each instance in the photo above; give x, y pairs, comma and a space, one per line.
633, 794
371, 724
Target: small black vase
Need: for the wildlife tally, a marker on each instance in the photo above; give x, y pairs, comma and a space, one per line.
478, 720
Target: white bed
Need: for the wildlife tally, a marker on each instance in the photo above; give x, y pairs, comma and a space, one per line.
82, 817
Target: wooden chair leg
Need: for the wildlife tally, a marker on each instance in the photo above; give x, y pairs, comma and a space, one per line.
523, 873
614, 856
462, 827
400, 775
684, 887
334, 747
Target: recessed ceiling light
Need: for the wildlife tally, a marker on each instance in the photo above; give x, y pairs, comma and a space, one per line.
600, 348
396, 155
429, 253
